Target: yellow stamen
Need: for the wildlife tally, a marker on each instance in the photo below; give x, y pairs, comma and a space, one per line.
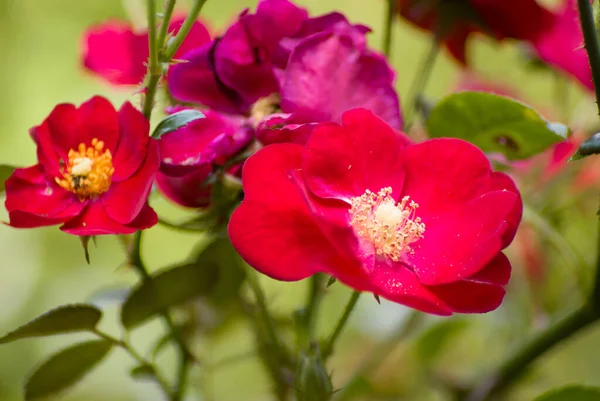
389, 227
88, 171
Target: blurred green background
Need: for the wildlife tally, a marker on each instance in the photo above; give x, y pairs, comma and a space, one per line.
40, 46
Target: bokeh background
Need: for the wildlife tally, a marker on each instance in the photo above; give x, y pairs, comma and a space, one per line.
40, 47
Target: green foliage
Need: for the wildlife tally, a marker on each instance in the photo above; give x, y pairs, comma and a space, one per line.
65, 319
176, 121
65, 368
571, 393
433, 341
495, 124
588, 148
312, 382
168, 288
142, 372
5, 172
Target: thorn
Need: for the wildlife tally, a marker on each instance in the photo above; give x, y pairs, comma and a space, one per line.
377, 299
331, 281
84, 242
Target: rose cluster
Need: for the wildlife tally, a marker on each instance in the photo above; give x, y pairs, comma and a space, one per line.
335, 185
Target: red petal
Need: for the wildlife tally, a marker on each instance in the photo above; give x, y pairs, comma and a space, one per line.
342, 162
470, 297
442, 174
496, 272
461, 243
402, 286
27, 190
125, 199
45, 151
187, 190
19, 219
116, 53
133, 142
499, 182
95, 221
96, 118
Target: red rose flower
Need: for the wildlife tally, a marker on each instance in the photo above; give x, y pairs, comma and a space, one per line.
118, 54
455, 21
419, 224
94, 173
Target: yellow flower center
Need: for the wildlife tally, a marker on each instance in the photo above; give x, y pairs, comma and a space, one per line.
88, 171
390, 227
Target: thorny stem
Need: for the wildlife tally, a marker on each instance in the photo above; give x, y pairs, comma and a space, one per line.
185, 355
174, 44
339, 327
592, 44
154, 71
166, 20
418, 86
389, 24
160, 380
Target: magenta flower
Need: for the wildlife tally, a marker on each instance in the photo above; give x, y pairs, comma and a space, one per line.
276, 66
421, 224
189, 154
561, 47
116, 53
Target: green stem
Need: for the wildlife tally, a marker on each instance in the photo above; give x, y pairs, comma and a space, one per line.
166, 20
162, 382
514, 367
174, 44
592, 45
328, 349
418, 87
596, 294
389, 24
185, 355
261, 302
154, 71
315, 296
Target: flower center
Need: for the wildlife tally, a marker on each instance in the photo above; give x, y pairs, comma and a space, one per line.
264, 107
88, 171
389, 226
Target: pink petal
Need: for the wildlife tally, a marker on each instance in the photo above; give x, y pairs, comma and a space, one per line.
280, 128
95, 221
402, 286
116, 53
125, 199
133, 142
460, 243
362, 79
342, 162
470, 297
442, 174
187, 190
28, 191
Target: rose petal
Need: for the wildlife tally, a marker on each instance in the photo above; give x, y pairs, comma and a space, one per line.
96, 118
95, 221
361, 80
187, 190
500, 181
342, 162
470, 297
496, 272
280, 128
197, 36
125, 199
460, 243
442, 174
133, 142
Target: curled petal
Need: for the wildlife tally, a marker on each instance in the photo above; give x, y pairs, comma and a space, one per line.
133, 142
187, 190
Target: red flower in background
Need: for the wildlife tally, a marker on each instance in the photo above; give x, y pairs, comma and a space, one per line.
561, 47
94, 173
455, 20
119, 55
419, 224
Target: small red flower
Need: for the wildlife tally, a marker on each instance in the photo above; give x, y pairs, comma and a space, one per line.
455, 21
94, 173
419, 224
119, 55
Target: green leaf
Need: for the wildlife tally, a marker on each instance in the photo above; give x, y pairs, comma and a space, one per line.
142, 372
65, 319
64, 369
176, 121
5, 172
571, 393
588, 148
433, 341
495, 124
168, 288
